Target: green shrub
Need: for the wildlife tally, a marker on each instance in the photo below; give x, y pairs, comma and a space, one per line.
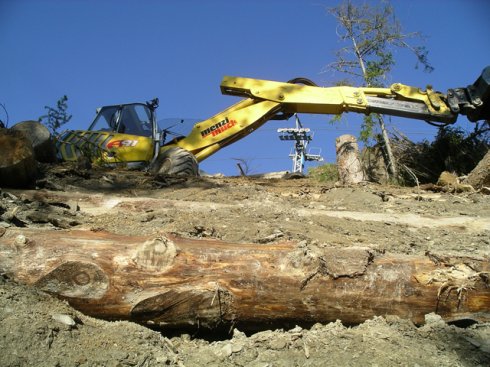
324, 173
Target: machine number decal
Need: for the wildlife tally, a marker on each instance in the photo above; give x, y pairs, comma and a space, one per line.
218, 128
121, 143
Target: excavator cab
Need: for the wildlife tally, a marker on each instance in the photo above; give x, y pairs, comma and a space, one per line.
133, 119
125, 133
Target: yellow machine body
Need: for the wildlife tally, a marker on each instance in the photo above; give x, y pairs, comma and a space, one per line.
105, 147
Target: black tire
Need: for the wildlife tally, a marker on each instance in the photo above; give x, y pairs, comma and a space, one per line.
176, 162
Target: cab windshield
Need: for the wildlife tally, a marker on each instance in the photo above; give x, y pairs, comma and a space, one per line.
134, 119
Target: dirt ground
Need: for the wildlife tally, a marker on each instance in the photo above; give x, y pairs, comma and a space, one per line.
37, 329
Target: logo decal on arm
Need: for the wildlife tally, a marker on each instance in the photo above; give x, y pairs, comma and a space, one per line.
218, 128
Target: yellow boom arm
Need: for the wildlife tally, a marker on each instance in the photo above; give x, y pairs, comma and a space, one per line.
266, 100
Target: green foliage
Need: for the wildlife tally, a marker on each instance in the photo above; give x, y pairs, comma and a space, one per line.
56, 117
453, 150
377, 69
324, 173
368, 125
457, 151
371, 34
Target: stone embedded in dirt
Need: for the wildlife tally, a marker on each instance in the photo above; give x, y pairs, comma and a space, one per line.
227, 350
450, 182
447, 179
37, 216
278, 343
236, 347
434, 319
64, 319
20, 241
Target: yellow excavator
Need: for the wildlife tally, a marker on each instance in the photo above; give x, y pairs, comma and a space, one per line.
129, 133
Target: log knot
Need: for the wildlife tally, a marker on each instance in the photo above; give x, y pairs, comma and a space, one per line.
75, 279
157, 254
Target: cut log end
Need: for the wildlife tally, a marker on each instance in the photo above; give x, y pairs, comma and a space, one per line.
18, 166
40, 139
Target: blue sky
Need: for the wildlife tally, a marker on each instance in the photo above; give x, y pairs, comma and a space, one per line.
107, 52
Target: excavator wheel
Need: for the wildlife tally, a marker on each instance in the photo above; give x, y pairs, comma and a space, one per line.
175, 161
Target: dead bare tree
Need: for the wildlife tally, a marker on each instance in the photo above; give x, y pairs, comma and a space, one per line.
372, 33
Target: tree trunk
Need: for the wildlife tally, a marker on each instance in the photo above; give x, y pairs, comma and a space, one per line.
480, 176
392, 169
40, 138
18, 166
348, 161
172, 282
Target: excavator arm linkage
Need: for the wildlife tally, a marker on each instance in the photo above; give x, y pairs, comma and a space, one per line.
398, 100
268, 100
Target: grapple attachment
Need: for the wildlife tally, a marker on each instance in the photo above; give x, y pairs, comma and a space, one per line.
474, 100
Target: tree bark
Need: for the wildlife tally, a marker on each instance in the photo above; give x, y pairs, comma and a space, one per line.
172, 282
480, 175
392, 168
18, 166
348, 160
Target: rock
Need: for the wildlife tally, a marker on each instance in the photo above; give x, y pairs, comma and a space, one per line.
73, 205
20, 241
433, 319
278, 343
36, 216
272, 175
237, 334
236, 347
447, 179
450, 181
296, 329
227, 350
64, 319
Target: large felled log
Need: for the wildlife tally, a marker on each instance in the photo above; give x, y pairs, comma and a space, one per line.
18, 166
172, 282
40, 139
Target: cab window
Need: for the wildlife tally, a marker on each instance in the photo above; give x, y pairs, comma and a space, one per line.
135, 120
105, 120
